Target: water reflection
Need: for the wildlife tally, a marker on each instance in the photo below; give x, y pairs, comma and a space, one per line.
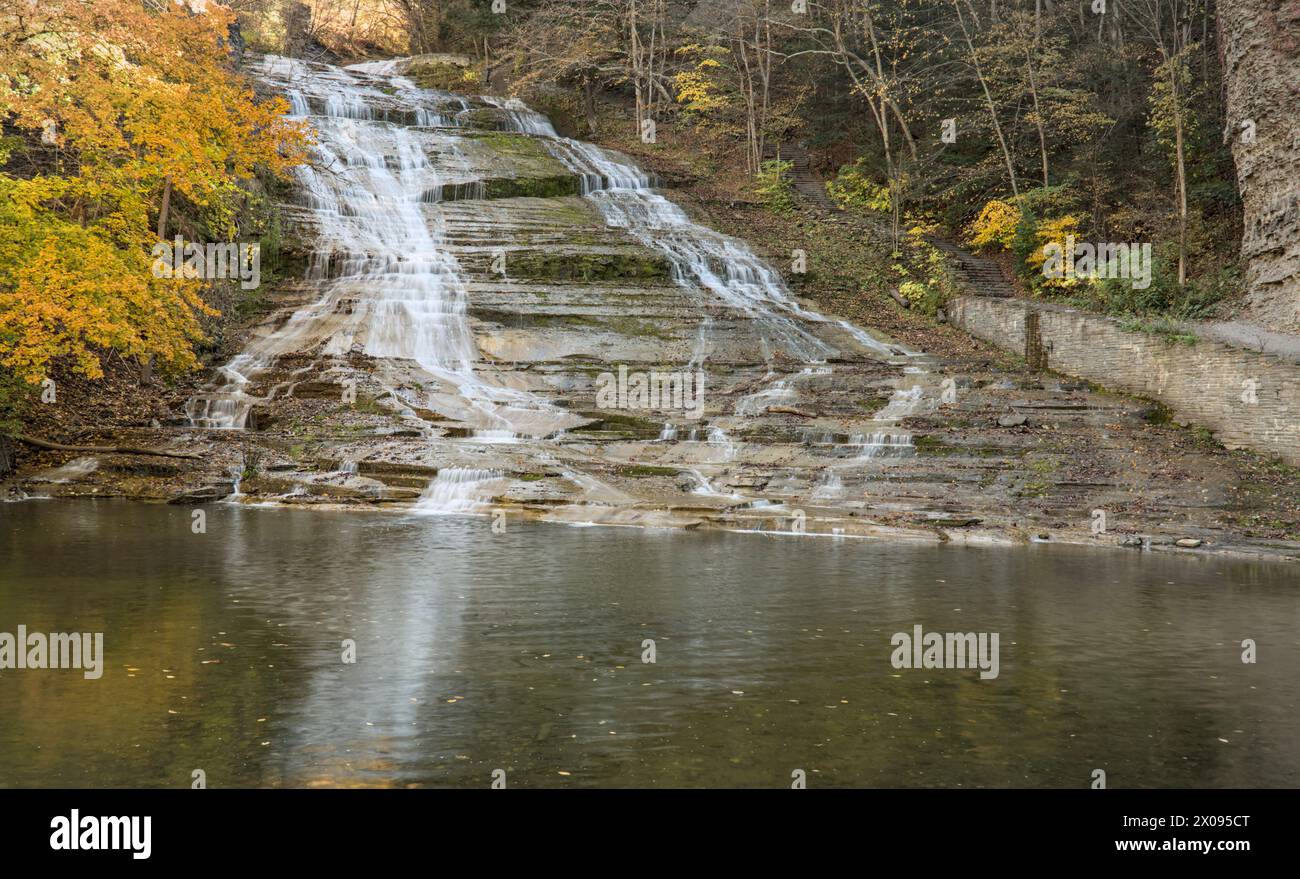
522, 651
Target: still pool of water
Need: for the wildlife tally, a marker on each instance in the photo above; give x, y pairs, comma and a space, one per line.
523, 651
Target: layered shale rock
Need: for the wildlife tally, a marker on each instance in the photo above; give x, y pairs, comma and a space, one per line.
495, 318
1261, 40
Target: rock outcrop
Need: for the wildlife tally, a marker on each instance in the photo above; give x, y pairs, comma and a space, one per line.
1260, 41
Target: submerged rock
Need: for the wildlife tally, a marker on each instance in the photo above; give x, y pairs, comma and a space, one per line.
205, 494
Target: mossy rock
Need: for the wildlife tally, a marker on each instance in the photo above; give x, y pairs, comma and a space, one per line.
588, 265
551, 186
604, 419
511, 143
547, 186
444, 75
928, 446
641, 471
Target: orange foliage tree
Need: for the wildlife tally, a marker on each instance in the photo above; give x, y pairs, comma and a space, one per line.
114, 105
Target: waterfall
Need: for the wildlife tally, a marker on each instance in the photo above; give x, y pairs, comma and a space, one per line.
390, 287
778, 390
718, 438
704, 487
723, 266
381, 205
515, 116
459, 490
236, 475
883, 445
830, 486
700, 257
70, 472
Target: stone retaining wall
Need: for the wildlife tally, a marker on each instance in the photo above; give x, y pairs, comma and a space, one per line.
1248, 399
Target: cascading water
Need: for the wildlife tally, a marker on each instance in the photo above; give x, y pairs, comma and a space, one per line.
883, 444
459, 490
699, 256
718, 438
389, 174
390, 287
830, 486
71, 471
717, 263
516, 116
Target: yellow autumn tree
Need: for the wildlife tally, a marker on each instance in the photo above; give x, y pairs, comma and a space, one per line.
120, 106
995, 227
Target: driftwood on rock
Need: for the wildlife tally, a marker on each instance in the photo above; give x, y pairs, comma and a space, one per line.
103, 450
790, 410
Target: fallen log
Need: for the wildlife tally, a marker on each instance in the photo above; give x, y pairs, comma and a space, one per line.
894, 295
102, 450
790, 410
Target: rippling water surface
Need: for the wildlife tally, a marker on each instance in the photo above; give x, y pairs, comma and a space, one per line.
523, 651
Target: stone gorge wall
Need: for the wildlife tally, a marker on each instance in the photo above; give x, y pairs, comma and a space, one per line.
1248, 399
1260, 41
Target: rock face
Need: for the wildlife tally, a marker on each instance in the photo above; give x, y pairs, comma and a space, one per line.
1261, 47
496, 319
530, 319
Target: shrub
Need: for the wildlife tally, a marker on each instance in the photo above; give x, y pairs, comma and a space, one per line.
773, 186
925, 277
1054, 230
854, 189
995, 227
700, 89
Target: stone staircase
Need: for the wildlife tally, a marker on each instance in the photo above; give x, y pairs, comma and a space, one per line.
979, 275
805, 180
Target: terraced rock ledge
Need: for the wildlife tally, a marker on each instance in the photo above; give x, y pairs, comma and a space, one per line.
470, 278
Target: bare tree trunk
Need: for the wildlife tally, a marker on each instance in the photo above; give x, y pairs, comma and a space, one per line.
1180, 175
589, 101
988, 97
6, 456
634, 41
765, 75
1170, 39
749, 72
164, 208
1038, 115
